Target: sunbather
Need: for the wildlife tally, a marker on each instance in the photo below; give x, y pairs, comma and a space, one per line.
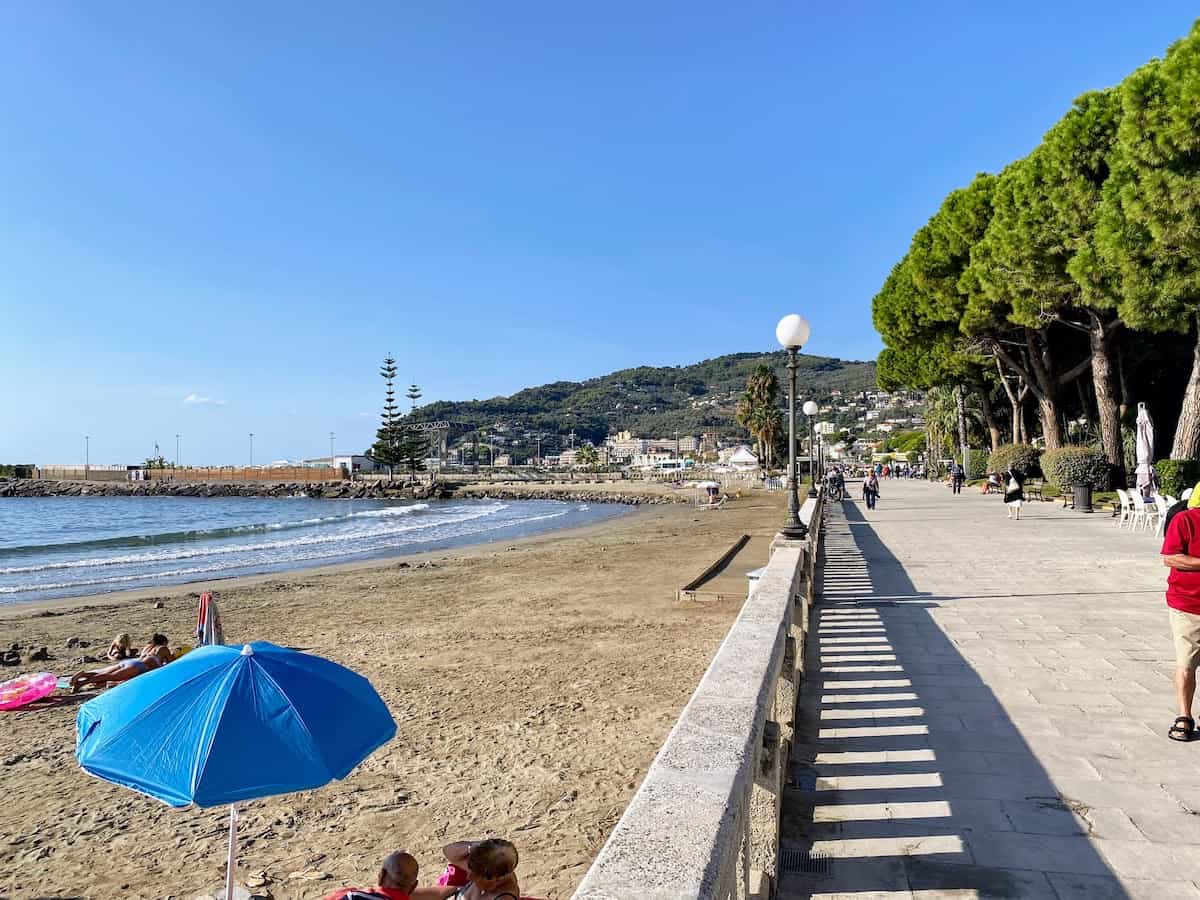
483, 870
153, 655
120, 648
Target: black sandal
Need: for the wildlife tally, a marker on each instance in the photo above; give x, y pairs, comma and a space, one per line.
1182, 732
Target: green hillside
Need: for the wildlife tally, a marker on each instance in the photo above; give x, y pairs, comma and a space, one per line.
650, 402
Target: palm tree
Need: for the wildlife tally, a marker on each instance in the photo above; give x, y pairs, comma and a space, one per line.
758, 411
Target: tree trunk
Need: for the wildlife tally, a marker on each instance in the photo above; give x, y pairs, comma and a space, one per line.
989, 416
1123, 378
960, 403
1106, 402
1046, 389
1187, 432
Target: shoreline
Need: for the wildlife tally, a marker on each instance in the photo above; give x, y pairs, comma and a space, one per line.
532, 682
14, 608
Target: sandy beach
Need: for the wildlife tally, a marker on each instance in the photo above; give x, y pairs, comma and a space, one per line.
531, 681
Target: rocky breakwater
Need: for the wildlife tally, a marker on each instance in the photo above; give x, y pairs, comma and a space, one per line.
580, 493
342, 490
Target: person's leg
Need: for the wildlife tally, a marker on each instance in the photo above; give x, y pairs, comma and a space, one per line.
1185, 630
1185, 689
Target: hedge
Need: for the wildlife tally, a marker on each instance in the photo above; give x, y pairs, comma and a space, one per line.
977, 463
1022, 457
1076, 465
1177, 475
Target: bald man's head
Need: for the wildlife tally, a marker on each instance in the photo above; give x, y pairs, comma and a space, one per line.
399, 871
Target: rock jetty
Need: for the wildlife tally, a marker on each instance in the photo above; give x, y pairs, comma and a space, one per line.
633, 495
341, 490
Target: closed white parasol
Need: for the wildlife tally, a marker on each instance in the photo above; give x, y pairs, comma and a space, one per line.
1145, 449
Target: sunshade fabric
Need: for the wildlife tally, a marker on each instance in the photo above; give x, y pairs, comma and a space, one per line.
1145, 448
223, 725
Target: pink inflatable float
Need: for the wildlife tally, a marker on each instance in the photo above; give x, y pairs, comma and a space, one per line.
16, 693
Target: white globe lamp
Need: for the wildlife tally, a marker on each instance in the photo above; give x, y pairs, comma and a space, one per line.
792, 331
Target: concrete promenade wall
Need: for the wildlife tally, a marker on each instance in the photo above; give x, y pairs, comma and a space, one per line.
704, 825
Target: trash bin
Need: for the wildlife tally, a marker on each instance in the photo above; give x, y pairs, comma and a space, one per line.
1083, 497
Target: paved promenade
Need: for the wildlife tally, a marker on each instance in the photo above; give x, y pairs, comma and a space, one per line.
986, 708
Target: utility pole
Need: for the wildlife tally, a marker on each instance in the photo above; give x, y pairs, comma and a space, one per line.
476, 462
677, 443
252, 449
539, 453
86, 455
331, 448
177, 451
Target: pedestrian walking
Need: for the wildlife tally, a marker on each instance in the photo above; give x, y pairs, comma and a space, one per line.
871, 489
1014, 493
1183, 609
957, 477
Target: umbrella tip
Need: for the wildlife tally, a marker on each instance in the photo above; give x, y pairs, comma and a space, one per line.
247, 650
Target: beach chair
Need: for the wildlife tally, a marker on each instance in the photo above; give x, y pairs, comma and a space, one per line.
1138, 518
1126, 508
1161, 507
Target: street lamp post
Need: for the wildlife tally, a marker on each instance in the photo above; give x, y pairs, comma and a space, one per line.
177, 451
252, 449
331, 448
86, 455
810, 410
792, 332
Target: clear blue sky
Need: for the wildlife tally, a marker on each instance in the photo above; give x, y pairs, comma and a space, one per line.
248, 205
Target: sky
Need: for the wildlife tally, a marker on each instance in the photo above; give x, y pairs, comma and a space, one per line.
218, 218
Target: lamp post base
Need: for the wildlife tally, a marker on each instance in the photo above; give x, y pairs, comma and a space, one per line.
794, 532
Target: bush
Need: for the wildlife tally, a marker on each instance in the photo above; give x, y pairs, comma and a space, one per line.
977, 463
1076, 465
1022, 457
1176, 475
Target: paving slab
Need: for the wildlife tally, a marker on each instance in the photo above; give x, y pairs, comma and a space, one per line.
985, 709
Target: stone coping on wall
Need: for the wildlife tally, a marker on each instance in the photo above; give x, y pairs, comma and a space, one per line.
683, 832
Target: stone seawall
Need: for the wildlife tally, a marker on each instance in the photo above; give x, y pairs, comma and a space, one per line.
341, 490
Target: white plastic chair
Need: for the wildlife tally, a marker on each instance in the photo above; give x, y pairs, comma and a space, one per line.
1126, 508
1160, 522
1139, 511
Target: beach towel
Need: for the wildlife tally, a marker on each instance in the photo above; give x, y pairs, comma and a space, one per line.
208, 622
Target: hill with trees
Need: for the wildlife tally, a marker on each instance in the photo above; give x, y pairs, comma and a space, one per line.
648, 401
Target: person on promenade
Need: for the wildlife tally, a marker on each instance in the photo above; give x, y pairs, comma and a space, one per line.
397, 880
1183, 609
870, 489
1014, 493
957, 477
153, 655
480, 870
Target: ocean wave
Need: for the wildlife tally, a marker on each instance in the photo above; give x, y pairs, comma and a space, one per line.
363, 533
384, 529
202, 534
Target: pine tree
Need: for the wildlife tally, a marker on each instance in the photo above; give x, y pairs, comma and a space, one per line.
387, 450
413, 442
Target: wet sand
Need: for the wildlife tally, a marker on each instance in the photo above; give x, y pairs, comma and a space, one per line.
532, 683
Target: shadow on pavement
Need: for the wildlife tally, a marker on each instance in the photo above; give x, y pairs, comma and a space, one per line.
908, 776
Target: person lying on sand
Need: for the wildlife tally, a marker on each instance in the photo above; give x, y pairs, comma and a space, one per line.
480, 870
397, 881
153, 655
120, 648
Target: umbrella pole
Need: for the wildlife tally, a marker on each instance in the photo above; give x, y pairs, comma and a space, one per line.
231, 863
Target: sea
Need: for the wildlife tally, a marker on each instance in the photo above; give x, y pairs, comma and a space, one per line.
69, 546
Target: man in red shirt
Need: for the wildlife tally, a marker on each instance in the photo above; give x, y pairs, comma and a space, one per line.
1183, 600
397, 881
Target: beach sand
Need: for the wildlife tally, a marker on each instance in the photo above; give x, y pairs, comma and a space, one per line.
532, 682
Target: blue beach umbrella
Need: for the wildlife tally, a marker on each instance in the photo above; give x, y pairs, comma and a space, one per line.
226, 724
